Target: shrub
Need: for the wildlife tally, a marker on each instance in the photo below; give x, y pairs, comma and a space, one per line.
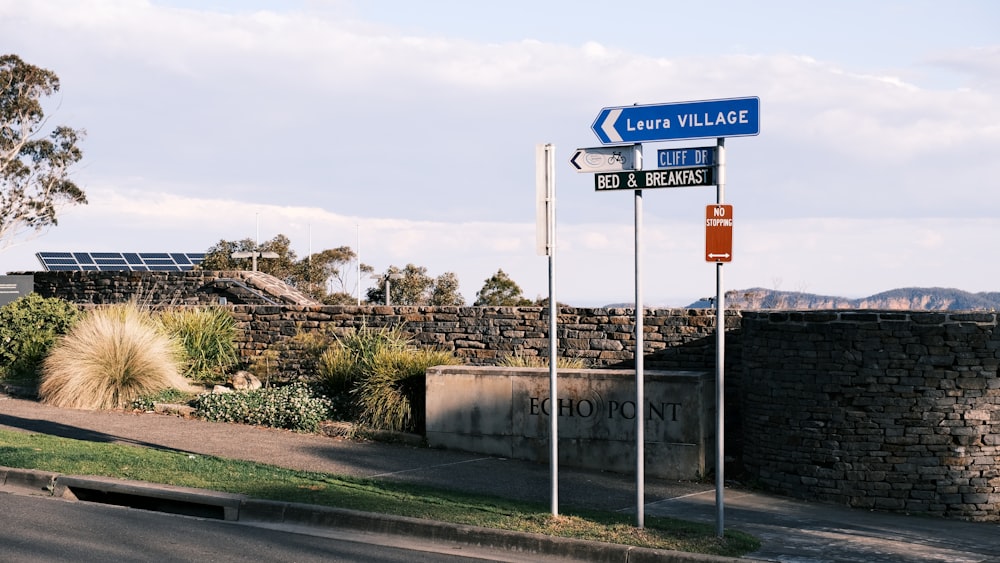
391, 395
208, 336
28, 328
352, 355
376, 376
111, 357
294, 407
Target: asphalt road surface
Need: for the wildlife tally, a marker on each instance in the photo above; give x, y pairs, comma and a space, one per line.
42, 529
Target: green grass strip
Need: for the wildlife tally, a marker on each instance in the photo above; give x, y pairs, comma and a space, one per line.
75, 457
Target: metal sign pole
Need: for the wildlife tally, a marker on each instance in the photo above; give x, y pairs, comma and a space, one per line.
720, 362
640, 401
545, 196
553, 339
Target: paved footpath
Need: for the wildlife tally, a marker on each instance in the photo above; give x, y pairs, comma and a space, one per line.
791, 530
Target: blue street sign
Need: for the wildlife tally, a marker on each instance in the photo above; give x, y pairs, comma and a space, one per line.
734, 117
685, 158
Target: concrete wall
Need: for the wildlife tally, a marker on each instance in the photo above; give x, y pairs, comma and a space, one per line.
882, 410
506, 412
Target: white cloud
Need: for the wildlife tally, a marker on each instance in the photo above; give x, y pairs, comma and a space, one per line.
315, 122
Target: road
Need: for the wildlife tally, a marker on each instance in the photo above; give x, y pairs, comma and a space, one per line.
41, 529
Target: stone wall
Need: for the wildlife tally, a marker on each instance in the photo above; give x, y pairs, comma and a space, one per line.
674, 338
196, 287
270, 312
881, 410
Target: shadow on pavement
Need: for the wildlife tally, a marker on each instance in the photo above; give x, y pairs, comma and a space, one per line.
73, 432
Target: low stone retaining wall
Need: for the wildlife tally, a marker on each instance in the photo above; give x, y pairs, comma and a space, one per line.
883, 410
506, 412
674, 338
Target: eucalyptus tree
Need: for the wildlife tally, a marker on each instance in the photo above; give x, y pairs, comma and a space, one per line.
413, 286
35, 160
500, 290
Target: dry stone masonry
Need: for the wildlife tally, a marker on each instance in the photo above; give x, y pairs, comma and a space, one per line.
674, 338
881, 410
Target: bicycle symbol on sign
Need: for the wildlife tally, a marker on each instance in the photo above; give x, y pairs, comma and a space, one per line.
616, 158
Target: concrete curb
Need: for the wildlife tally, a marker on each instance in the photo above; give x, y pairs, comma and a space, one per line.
513, 542
240, 508
30, 481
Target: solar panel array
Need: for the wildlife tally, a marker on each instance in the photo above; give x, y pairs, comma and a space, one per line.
119, 261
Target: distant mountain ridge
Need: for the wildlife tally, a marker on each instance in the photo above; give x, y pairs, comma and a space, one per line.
908, 298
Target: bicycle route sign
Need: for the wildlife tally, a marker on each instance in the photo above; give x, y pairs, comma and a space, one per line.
733, 117
605, 159
643, 179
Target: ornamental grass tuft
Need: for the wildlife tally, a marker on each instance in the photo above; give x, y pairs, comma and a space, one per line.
113, 356
208, 336
382, 373
391, 393
353, 354
518, 360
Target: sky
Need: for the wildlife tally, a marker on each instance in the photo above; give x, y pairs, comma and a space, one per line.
407, 131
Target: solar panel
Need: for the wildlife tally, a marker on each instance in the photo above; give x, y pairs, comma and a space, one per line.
119, 261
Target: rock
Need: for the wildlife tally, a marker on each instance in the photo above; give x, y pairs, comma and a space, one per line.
243, 380
221, 389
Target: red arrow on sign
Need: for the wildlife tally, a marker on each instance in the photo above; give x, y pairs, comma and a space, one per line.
719, 233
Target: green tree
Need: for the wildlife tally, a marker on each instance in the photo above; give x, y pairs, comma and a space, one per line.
415, 287
327, 274
220, 257
34, 169
445, 291
499, 290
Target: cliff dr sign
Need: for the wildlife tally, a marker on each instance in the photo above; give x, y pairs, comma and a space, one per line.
684, 158
734, 117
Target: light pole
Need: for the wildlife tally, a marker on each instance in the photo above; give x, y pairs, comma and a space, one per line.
388, 285
254, 254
